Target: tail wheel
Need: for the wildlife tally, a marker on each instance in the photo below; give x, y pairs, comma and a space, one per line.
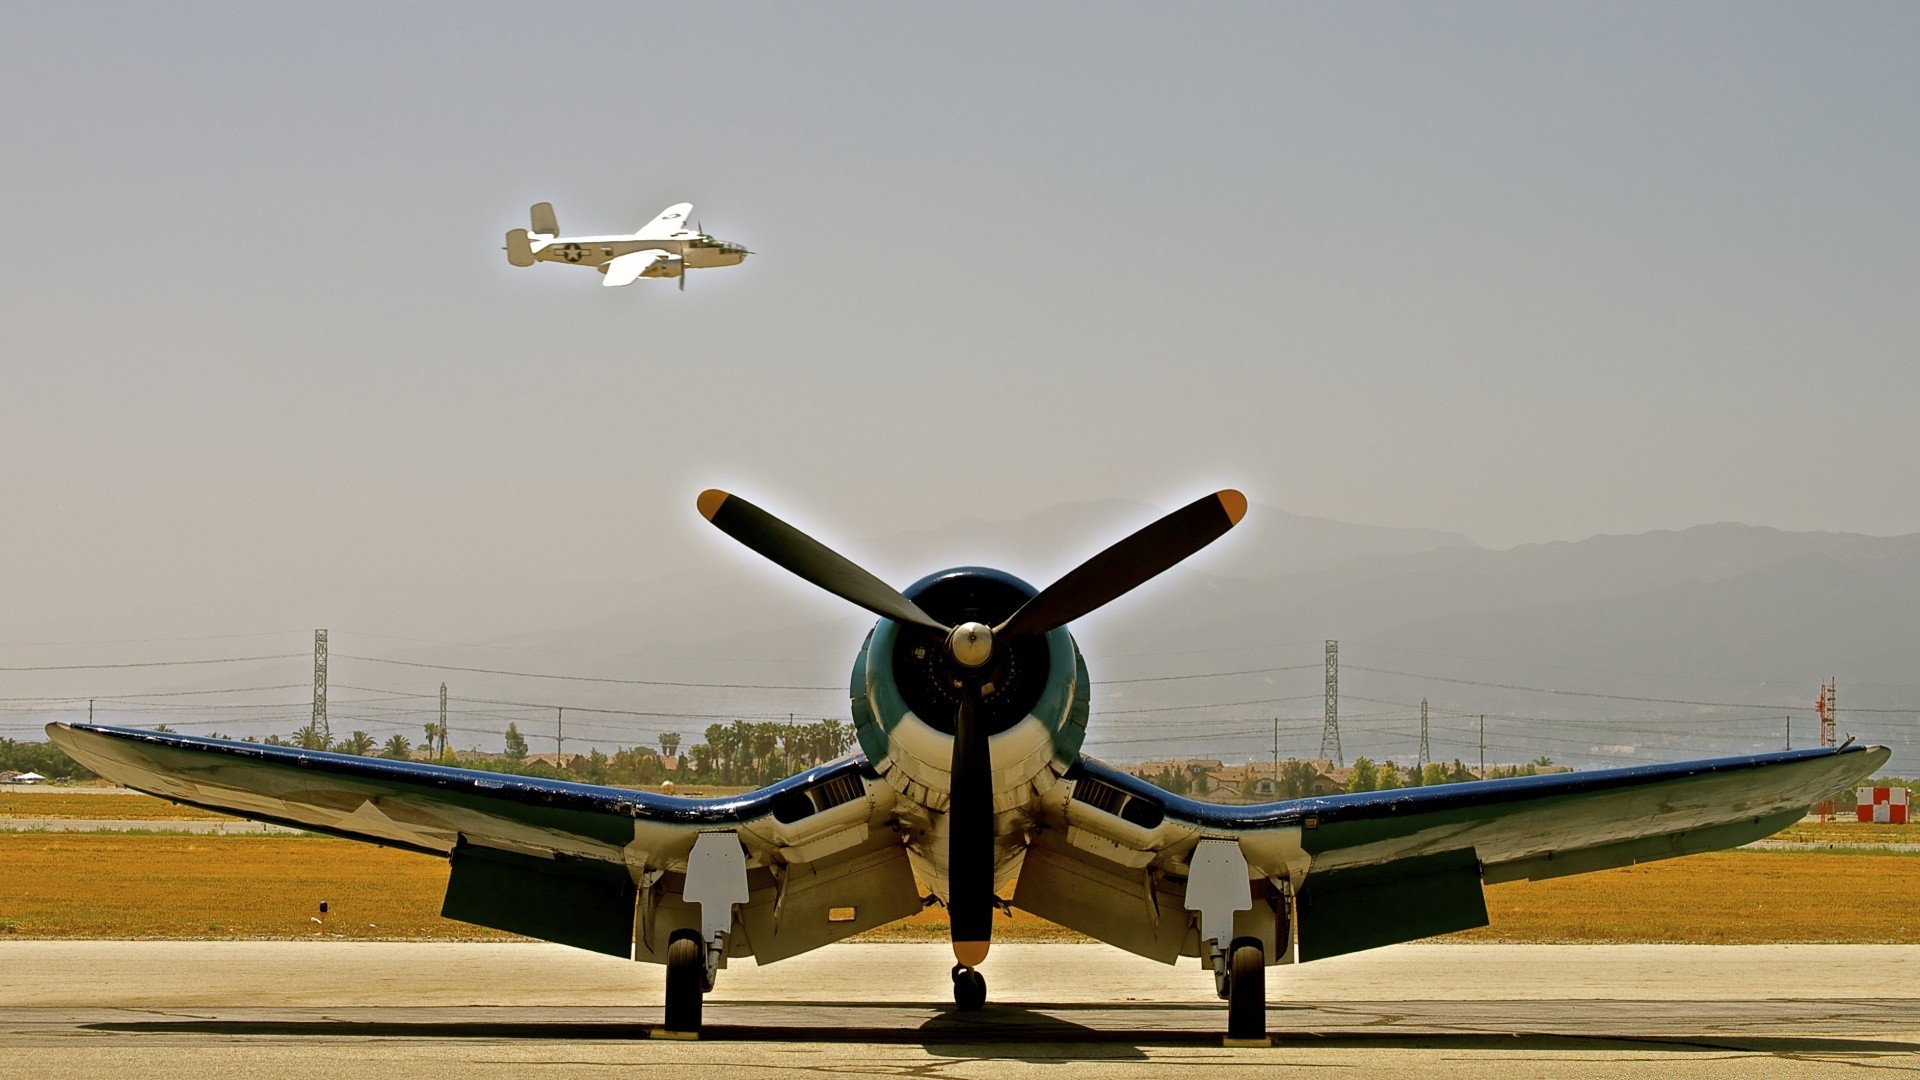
1247, 991
969, 988
686, 981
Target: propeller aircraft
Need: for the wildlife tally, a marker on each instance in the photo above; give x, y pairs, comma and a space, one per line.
970, 702
664, 247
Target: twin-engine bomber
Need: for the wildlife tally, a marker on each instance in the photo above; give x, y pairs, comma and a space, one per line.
969, 698
664, 247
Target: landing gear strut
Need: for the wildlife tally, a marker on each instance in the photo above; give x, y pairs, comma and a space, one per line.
686, 982
969, 988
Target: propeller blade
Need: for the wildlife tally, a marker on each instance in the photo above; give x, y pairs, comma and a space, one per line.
809, 559
1127, 564
970, 837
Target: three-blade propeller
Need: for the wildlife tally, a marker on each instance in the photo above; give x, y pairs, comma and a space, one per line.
1117, 570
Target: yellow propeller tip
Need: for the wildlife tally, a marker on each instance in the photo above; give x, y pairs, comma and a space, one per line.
1234, 503
711, 500
970, 953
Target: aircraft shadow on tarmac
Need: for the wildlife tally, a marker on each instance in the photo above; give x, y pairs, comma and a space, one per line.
1021, 1033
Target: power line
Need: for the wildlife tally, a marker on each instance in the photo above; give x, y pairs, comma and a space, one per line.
153, 663
1205, 675
1586, 693
582, 678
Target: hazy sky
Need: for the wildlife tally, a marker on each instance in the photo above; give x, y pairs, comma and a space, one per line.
1525, 272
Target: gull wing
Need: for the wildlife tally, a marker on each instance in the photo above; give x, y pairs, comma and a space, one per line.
1342, 873
671, 222
629, 268
551, 859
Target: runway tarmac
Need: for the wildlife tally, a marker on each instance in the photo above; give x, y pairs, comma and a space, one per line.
334, 1009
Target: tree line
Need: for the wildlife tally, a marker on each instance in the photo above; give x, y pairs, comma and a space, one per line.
1298, 779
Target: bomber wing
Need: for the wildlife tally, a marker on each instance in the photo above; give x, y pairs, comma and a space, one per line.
627, 269
671, 222
1350, 872
556, 860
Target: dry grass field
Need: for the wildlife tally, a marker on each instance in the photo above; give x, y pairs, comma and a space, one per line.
1850, 832
82, 804
160, 886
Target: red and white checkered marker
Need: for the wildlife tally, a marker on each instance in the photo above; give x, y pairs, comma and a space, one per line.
1882, 806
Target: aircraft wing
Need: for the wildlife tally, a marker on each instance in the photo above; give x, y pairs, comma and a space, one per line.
1375, 868
551, 859
627, 269
671, 220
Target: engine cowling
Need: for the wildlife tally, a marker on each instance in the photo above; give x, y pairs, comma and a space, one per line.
1033, 700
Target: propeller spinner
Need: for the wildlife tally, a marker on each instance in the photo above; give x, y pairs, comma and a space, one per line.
971, 646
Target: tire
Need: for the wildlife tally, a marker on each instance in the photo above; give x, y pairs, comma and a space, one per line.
686, 981
1247, 991
969, 989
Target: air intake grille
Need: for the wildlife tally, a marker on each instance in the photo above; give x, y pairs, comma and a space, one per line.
1097, 795
838, 790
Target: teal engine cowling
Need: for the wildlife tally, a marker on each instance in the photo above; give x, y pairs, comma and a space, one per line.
905, 694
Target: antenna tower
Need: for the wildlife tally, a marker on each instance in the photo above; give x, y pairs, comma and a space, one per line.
1330, 735
320, 686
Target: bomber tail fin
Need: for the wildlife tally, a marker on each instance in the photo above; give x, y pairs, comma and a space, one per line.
543, 220
519, 248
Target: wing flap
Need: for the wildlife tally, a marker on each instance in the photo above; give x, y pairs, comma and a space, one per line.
1343, 911
582, 903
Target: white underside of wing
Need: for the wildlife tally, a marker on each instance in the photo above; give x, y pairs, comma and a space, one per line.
628, 268
671, 222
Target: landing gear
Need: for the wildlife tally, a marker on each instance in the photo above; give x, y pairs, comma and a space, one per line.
1247, 994
686, 982
969, 988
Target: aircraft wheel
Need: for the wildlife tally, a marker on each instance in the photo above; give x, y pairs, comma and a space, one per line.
969, 988
1247, 991
686, 981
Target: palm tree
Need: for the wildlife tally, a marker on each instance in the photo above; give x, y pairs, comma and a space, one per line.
359, 743
397, 748
765, 738
720, 748
669, 744
311, 738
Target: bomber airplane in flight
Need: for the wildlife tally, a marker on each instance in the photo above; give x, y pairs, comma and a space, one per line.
664, 247
970, 701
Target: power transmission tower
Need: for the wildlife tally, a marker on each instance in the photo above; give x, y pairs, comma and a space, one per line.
1330, 735
1827, 710
1275, 775
1483, 746
320, 685
441, 731
559, 735
1426, 755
